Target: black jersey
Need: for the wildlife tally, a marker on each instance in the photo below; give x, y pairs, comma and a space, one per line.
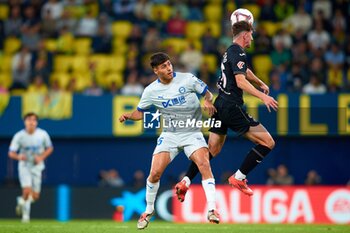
234, 62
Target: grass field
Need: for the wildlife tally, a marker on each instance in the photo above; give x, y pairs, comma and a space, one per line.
50, 226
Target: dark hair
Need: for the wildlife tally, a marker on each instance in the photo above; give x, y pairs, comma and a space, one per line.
241, 26
29, 114
158, 58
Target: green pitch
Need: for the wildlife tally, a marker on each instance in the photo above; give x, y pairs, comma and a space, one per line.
50, 226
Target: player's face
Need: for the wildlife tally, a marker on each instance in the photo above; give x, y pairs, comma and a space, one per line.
248, 38
164, 71
30, 124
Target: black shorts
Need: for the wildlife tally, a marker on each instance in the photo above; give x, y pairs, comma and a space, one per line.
232, 116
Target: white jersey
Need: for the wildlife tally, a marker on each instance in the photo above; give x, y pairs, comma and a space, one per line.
30, 145
176, 101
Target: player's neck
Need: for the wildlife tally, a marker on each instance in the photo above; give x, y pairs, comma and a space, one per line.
165, 81
30, 131
239, 41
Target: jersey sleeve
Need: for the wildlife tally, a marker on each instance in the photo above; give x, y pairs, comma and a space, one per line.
197, 85
15, 143
47, 140
238, 61
145, 101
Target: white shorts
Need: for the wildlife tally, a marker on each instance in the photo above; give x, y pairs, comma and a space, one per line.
175, 143
30, 177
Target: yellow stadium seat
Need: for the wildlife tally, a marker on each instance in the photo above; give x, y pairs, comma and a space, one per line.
51, 45
215, 28
5, 79
11, 45
161, 12
4, 12
211, 61
6, 63
120, 46
178, 44
213, 12
115, 77
100, 62
254, 8
121, 29
270, 27
82, 46
62, 63
262, 66
230, 6
80, 63
194, 30
62, 78
116, 63
335, 77
82, 79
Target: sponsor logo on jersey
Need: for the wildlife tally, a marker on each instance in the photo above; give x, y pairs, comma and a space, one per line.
240, 64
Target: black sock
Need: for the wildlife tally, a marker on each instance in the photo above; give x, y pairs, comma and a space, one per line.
192, 170
253, 158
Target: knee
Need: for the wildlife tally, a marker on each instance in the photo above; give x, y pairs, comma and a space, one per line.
154, 176
35, 196
26, 194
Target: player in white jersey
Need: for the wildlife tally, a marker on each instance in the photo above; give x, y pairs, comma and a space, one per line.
174, 95
30, 146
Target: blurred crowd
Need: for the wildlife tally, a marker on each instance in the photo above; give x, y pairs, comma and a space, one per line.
102, 46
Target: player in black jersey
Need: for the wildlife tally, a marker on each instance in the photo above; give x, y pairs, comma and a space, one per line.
236, 78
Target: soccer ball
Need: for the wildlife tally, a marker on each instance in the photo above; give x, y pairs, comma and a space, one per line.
242, 14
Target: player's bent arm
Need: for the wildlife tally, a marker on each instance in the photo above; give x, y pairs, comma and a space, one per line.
15, 156
208, 96
254, 79
47, 152
208, 103
134, 116
246, 86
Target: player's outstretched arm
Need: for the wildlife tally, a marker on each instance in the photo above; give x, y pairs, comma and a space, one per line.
246, 86
254, 79
134, 116
208, 103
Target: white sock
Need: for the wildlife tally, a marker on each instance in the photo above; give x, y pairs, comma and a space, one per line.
239, 175
151, 193
187, 181
209, 189
26, 209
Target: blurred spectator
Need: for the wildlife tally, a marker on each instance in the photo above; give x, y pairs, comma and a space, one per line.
262, 41
112, 88
176, 25
195, 10
283, 9
280, 55
180, 6
297, 78
87, 26
314, 86
282, 36
298, 21
322, 5
318, 38
339, 20
312, 178
207, 76
93, 89
280, 176
14, 22
67, 21
139, 180
65, 41
21, 69
300, 54
276, 86
123, 9
3, 89
132, 87
191, 58
49, 25
209, 42
110, 178
102, 42
334, 57
267, 11
41, 69
38, 86
143, 9
152, 40
52, 7
30, 29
